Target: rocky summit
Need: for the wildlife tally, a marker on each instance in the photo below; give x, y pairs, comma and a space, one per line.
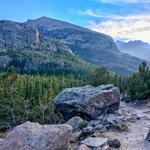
88, 102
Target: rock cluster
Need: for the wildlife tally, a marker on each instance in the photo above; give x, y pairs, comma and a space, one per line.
88, 102
90, 109
88, 131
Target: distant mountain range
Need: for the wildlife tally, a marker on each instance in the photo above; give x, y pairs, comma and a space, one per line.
46, 44
136, 48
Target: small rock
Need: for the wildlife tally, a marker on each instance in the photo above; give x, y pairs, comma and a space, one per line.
148, 136
75, 136
83, 147
76, 123
106, 147
117, 122
114, 143
94, 142
145, 118
88, 131
94, 123
100, 128
133, 117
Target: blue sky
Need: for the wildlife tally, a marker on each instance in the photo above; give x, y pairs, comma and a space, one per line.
121, 19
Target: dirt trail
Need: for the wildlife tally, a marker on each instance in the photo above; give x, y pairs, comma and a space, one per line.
138, 128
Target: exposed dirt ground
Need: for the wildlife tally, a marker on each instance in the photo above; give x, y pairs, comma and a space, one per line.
134, 139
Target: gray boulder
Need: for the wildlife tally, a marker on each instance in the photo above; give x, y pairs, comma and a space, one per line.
76, 136
88, 102
87, 131
94, 142
115, 143
76, 123
33, 136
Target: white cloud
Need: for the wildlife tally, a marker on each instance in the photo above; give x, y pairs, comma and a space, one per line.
125, 27
119, 2
90, 12
132, 26
100, 14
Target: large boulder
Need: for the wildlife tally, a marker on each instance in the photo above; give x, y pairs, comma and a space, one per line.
88, 102
33, 136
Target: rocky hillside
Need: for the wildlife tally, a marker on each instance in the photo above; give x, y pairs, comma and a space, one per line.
93, 47
45, 43
32, 52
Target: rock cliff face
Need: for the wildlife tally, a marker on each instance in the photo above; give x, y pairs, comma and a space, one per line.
16, 36
88, 102
32, 52
48, 39
90, 46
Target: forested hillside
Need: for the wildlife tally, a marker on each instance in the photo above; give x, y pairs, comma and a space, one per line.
24, 97
30, 97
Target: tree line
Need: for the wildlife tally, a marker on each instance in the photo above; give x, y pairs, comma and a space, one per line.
134, 87
30, 97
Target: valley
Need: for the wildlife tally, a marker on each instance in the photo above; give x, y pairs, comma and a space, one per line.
66, 87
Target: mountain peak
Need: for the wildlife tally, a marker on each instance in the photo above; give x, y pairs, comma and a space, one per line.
53, 24
136, 48
137, 42
41, 20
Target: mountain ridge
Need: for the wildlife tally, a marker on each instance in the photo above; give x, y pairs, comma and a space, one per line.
136, 48
45, 37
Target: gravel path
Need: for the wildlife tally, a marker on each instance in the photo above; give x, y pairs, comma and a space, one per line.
138, 128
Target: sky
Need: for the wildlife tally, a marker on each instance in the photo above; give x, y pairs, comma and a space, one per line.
122, 19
